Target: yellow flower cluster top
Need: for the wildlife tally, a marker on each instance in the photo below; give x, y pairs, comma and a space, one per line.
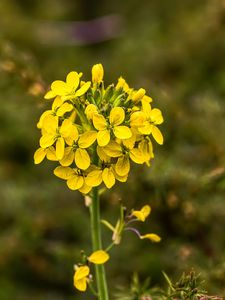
95, 132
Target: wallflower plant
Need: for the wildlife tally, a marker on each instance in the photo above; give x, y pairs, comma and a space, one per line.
94, 134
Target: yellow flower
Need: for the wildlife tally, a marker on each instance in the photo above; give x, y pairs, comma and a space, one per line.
77, 151
142, 214
75, 178
41, 153
99, 257
152, 237
53, 133
97, 73
153, 117
124, 154
95, 177
80, 278
116, 118
68, 90
59, 108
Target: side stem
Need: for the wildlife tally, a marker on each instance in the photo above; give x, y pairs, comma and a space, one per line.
97, 245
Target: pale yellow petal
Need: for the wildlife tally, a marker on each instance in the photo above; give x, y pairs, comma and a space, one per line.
108, 177
99, 257
137, 156
156, 133
81, 284
152, 237
82, 159
122, 166
122, 132
59, 88
59, 148
72, 81
39, 155
47, 140
94, 178
103, 137
83, 89
63, 172
117, 116
75, 182
99, 122
87, 139
68, 157
81, 272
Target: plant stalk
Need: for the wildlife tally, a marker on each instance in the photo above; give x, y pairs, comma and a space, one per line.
97, 244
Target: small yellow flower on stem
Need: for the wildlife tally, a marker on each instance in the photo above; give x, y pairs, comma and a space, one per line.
80, 278
152, 237
142, 214
99, 257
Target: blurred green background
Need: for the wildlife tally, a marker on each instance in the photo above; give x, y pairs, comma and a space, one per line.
176, 50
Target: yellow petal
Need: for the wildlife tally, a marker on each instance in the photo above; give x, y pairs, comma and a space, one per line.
122, 167
63, 172
57, 103
81, 284
72, 80
59, 148
83, 89
152, 237
122, 84
94, 178
99, 257
113, 149
50, 154
87, 139
137, 156
156, 133
81, 272
39, 155
49, 95
142, 214
73, 136
40, 122
75, 182
103, 137
85, 189
146, 128
59, 88
47, 140
50, 124
146, 108
82, 159
156, 116
117, 116
129, 143
68, 157
64, 108
102, 155
137, 119
99, 122
108, 178
90, 110
66, 128
122, 132
97, 73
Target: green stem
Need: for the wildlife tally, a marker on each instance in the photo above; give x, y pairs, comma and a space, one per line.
97, 245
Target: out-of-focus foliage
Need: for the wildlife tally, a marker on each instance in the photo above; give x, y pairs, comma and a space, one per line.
176, 49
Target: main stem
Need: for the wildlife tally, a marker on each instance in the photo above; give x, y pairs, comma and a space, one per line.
97, 245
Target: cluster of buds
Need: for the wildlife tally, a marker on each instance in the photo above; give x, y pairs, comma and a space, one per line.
94, 132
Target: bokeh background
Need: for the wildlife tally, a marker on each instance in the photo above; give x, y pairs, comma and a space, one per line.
176, 50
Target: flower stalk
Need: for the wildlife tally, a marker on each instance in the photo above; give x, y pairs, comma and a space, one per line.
97, 244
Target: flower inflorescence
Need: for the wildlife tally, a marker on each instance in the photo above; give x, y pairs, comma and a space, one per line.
95, 132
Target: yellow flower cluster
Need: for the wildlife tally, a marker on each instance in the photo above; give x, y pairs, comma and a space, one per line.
94, 133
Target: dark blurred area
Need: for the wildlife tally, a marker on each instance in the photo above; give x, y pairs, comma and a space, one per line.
176, 50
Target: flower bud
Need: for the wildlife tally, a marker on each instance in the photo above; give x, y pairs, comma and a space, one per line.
97, 73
